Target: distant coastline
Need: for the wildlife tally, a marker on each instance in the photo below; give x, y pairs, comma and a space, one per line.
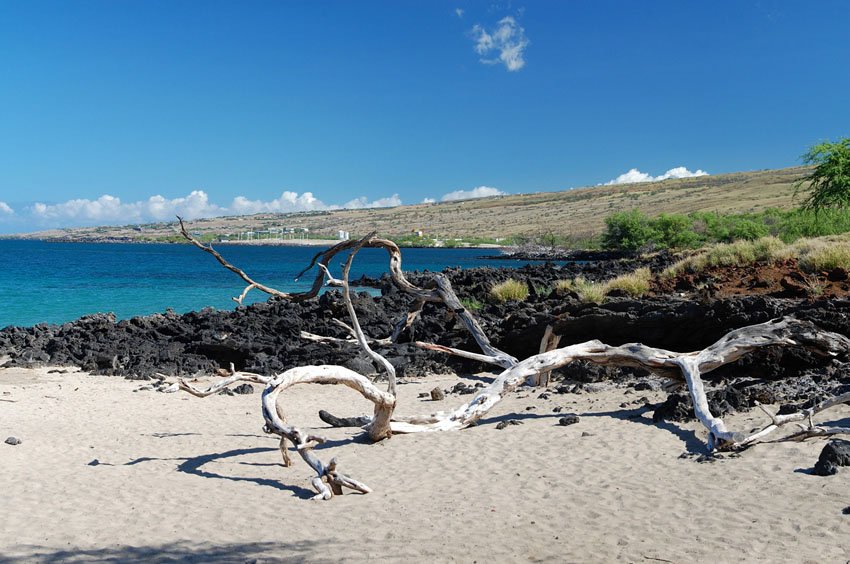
245, 243
572, 215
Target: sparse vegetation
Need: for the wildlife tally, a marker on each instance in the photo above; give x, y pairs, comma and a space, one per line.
814, 287
471, 304
509, 291
813, 255
826, 256
571, 217
766, 249
634, 284
412, 240
587, 291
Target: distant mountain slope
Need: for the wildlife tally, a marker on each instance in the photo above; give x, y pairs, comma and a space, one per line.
576, 212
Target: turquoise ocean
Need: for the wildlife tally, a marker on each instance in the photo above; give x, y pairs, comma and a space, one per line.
59, 282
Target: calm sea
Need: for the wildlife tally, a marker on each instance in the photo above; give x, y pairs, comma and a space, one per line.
59, 282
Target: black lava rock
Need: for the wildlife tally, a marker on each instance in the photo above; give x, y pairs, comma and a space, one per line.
502, 424
244, 389
836, 453
568, 420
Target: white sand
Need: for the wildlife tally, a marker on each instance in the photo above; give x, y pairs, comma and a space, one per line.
188, 479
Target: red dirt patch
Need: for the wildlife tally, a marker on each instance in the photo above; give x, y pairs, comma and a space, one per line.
781, 280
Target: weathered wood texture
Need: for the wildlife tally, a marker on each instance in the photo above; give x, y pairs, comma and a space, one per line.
689, 366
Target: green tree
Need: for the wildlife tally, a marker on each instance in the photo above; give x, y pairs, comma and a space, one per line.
829, 182
628, 231
675, 231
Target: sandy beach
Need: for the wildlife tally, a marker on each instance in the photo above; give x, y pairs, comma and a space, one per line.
108, 473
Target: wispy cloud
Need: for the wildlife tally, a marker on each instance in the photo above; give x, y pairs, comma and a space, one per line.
6, 209
503, 45
634, 175
480, 192
109, 209
459, 12
428, 200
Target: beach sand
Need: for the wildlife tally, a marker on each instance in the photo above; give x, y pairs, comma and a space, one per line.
189, 479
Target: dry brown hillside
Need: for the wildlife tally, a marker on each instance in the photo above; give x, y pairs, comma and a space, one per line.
578, 212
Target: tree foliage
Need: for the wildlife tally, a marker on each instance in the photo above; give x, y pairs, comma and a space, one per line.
628, 231
829, 182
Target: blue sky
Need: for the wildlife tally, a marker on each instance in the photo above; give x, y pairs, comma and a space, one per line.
124, 111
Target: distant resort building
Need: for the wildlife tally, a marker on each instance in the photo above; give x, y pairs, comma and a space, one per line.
270, 234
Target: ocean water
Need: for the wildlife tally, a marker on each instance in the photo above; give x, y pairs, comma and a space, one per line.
59, 282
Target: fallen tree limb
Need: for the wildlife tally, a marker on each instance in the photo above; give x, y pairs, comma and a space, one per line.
222, 384
689, 366
441, 292
238, 271
731, 347
458, 352
355, 323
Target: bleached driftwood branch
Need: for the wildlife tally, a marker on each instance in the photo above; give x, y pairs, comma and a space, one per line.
805, 415
238, 271
689, 366
217, 387
440, 292
784, 332
355, 323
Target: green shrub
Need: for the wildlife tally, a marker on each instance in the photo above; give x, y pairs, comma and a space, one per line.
634, 230
509, 290
806, 223
674, 231
628, 231
747, 229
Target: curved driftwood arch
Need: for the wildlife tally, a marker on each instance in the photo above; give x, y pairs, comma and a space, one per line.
686, 367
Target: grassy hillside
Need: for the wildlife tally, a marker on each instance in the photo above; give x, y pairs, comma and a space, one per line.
572, 213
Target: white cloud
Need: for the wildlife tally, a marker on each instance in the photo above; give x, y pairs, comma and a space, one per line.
109, 209
459, 12
6, 209
428, 200
480, 192
363, 202
288, 202
634, 175
508, 40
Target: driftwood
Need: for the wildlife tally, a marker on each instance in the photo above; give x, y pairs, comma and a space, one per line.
687, 367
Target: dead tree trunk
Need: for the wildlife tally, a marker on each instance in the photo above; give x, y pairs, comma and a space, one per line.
687, 367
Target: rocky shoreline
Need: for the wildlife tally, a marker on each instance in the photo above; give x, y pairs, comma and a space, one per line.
266, 337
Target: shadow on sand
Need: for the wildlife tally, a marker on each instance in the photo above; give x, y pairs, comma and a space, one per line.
195, 466
693, 444
181, 551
